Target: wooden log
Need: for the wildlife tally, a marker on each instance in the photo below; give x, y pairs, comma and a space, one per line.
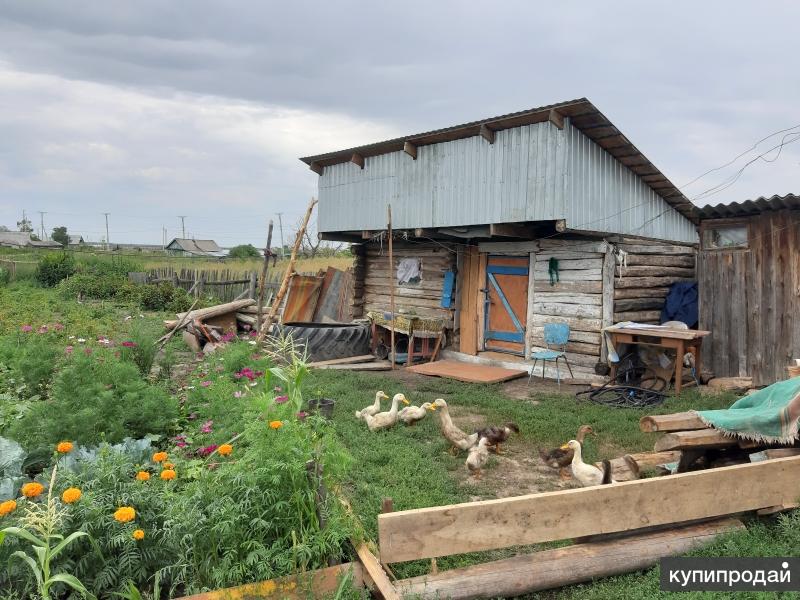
656, 271
567, 514
567, 310
246, 319
558, 567
658, 249
653, 292
584, 337
574, 358
634, 304
682, 421
638, 316
211, 311
654, 260
621, 471
579, 347
700, 438
568, 287
569, 264
607, 316
573, 245
362, 358
582, 275
312, 584
586, 299
576, 323
262, 282
545, 256
645, 282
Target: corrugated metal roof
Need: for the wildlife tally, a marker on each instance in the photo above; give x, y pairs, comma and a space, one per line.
583, 115
749, 207
192, 245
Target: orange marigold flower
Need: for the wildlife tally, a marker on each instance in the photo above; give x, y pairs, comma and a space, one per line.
168, 465
33, 489
64, 447
71, 495
159, 457
7, 507
276, 424
225, 449
124, 514
168, 474
142, 475
138, 534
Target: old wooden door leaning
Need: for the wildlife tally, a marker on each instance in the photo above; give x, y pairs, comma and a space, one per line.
506, 303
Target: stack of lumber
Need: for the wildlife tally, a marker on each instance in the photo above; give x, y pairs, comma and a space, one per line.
576, 299
422, 298
642, 283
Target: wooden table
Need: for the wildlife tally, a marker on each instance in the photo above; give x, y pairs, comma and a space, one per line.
681, 340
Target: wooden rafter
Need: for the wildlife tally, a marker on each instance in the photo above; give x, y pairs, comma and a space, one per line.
487, 134
357, 160
556, 118
410, 149
316, 167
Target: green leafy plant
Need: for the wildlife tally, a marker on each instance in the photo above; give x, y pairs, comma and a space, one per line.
52, 268
244, 251
40, 527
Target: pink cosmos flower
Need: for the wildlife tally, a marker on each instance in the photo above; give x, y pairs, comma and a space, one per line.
246, 327
238, 394
253, 333
129, 344
207, 450
206, 427
26, 328
68, 350
181, 444
58, 327
281, 399
302, 415
87, 351
277, 389
205, 383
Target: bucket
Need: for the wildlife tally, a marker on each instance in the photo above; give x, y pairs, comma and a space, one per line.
322, 405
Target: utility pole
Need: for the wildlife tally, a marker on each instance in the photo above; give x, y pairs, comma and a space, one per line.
183, 225
107, 240
280, 224
43, 234
163, 238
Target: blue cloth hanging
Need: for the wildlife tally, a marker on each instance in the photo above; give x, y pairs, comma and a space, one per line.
681, 304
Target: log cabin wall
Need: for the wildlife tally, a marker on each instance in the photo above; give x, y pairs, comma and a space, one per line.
359, 252
750, 298
643, 275
422, 298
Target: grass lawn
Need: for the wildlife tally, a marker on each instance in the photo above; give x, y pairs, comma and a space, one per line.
411, 465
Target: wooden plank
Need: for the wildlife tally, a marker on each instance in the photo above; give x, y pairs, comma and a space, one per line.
633, 304
545, 256
700, 438
586, 299
655, 292
375, 365
515, 248
343, 361
515, 230
568, 310
577, 264
487, 133
585, 337
579, 347
645, 282
468, 339
556, 118
658, 271
528, 573
657, 260
211, 311
607, 313
374, 569
682, 421
567, 514
410, 149
582, 245
658, 249
532, 299
317, 584
468, 372
580, 287
576, 323
578, 275
620, 470
638, 316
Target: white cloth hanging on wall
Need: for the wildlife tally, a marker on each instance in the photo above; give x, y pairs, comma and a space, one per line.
408, 270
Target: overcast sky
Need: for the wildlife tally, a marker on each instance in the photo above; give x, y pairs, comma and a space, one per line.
153, 109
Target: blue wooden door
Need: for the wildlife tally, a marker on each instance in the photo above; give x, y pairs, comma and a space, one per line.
506, 303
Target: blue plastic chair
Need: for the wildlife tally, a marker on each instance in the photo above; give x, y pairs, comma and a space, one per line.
557, 335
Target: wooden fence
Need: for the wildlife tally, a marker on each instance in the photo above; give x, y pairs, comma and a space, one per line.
16, 268
223, 284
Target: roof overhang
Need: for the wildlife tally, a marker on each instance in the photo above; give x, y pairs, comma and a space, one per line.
582, 114
749, 207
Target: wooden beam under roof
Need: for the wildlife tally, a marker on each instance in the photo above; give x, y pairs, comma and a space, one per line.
514, 230
316, 167
410, 149
487, 134
357, 159
556, 118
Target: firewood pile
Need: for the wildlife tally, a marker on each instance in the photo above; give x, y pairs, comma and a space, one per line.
205, 329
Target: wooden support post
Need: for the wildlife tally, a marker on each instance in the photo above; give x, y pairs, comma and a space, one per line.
175, 278
392, 354
608, 299
682, 421
567, 514
276, 303
705, 438
251, 290
262, 282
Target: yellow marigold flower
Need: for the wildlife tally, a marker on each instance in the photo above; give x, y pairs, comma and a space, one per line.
71, 495
168, 465
225, 449
31, 490
7, 507
159, 457
142, 475
168, 474
124, 514
276, 424
138, 534
64, 447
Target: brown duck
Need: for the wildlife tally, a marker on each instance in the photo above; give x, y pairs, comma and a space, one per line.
495, 435
561, 458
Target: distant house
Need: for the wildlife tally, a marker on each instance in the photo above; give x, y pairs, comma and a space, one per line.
76, 240
22, 239
186, 247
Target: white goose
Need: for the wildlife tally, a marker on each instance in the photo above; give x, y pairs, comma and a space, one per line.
385, 419
373, 408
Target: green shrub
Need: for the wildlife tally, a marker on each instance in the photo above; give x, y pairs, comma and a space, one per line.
244, 251
5, 276
91, 286
140, 348
118, 266
52, 268
94, 398
165, 296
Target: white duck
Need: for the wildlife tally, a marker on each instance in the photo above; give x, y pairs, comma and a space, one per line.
374, 408
587, 475
454, 435
410, 415
385, 419
478, 456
